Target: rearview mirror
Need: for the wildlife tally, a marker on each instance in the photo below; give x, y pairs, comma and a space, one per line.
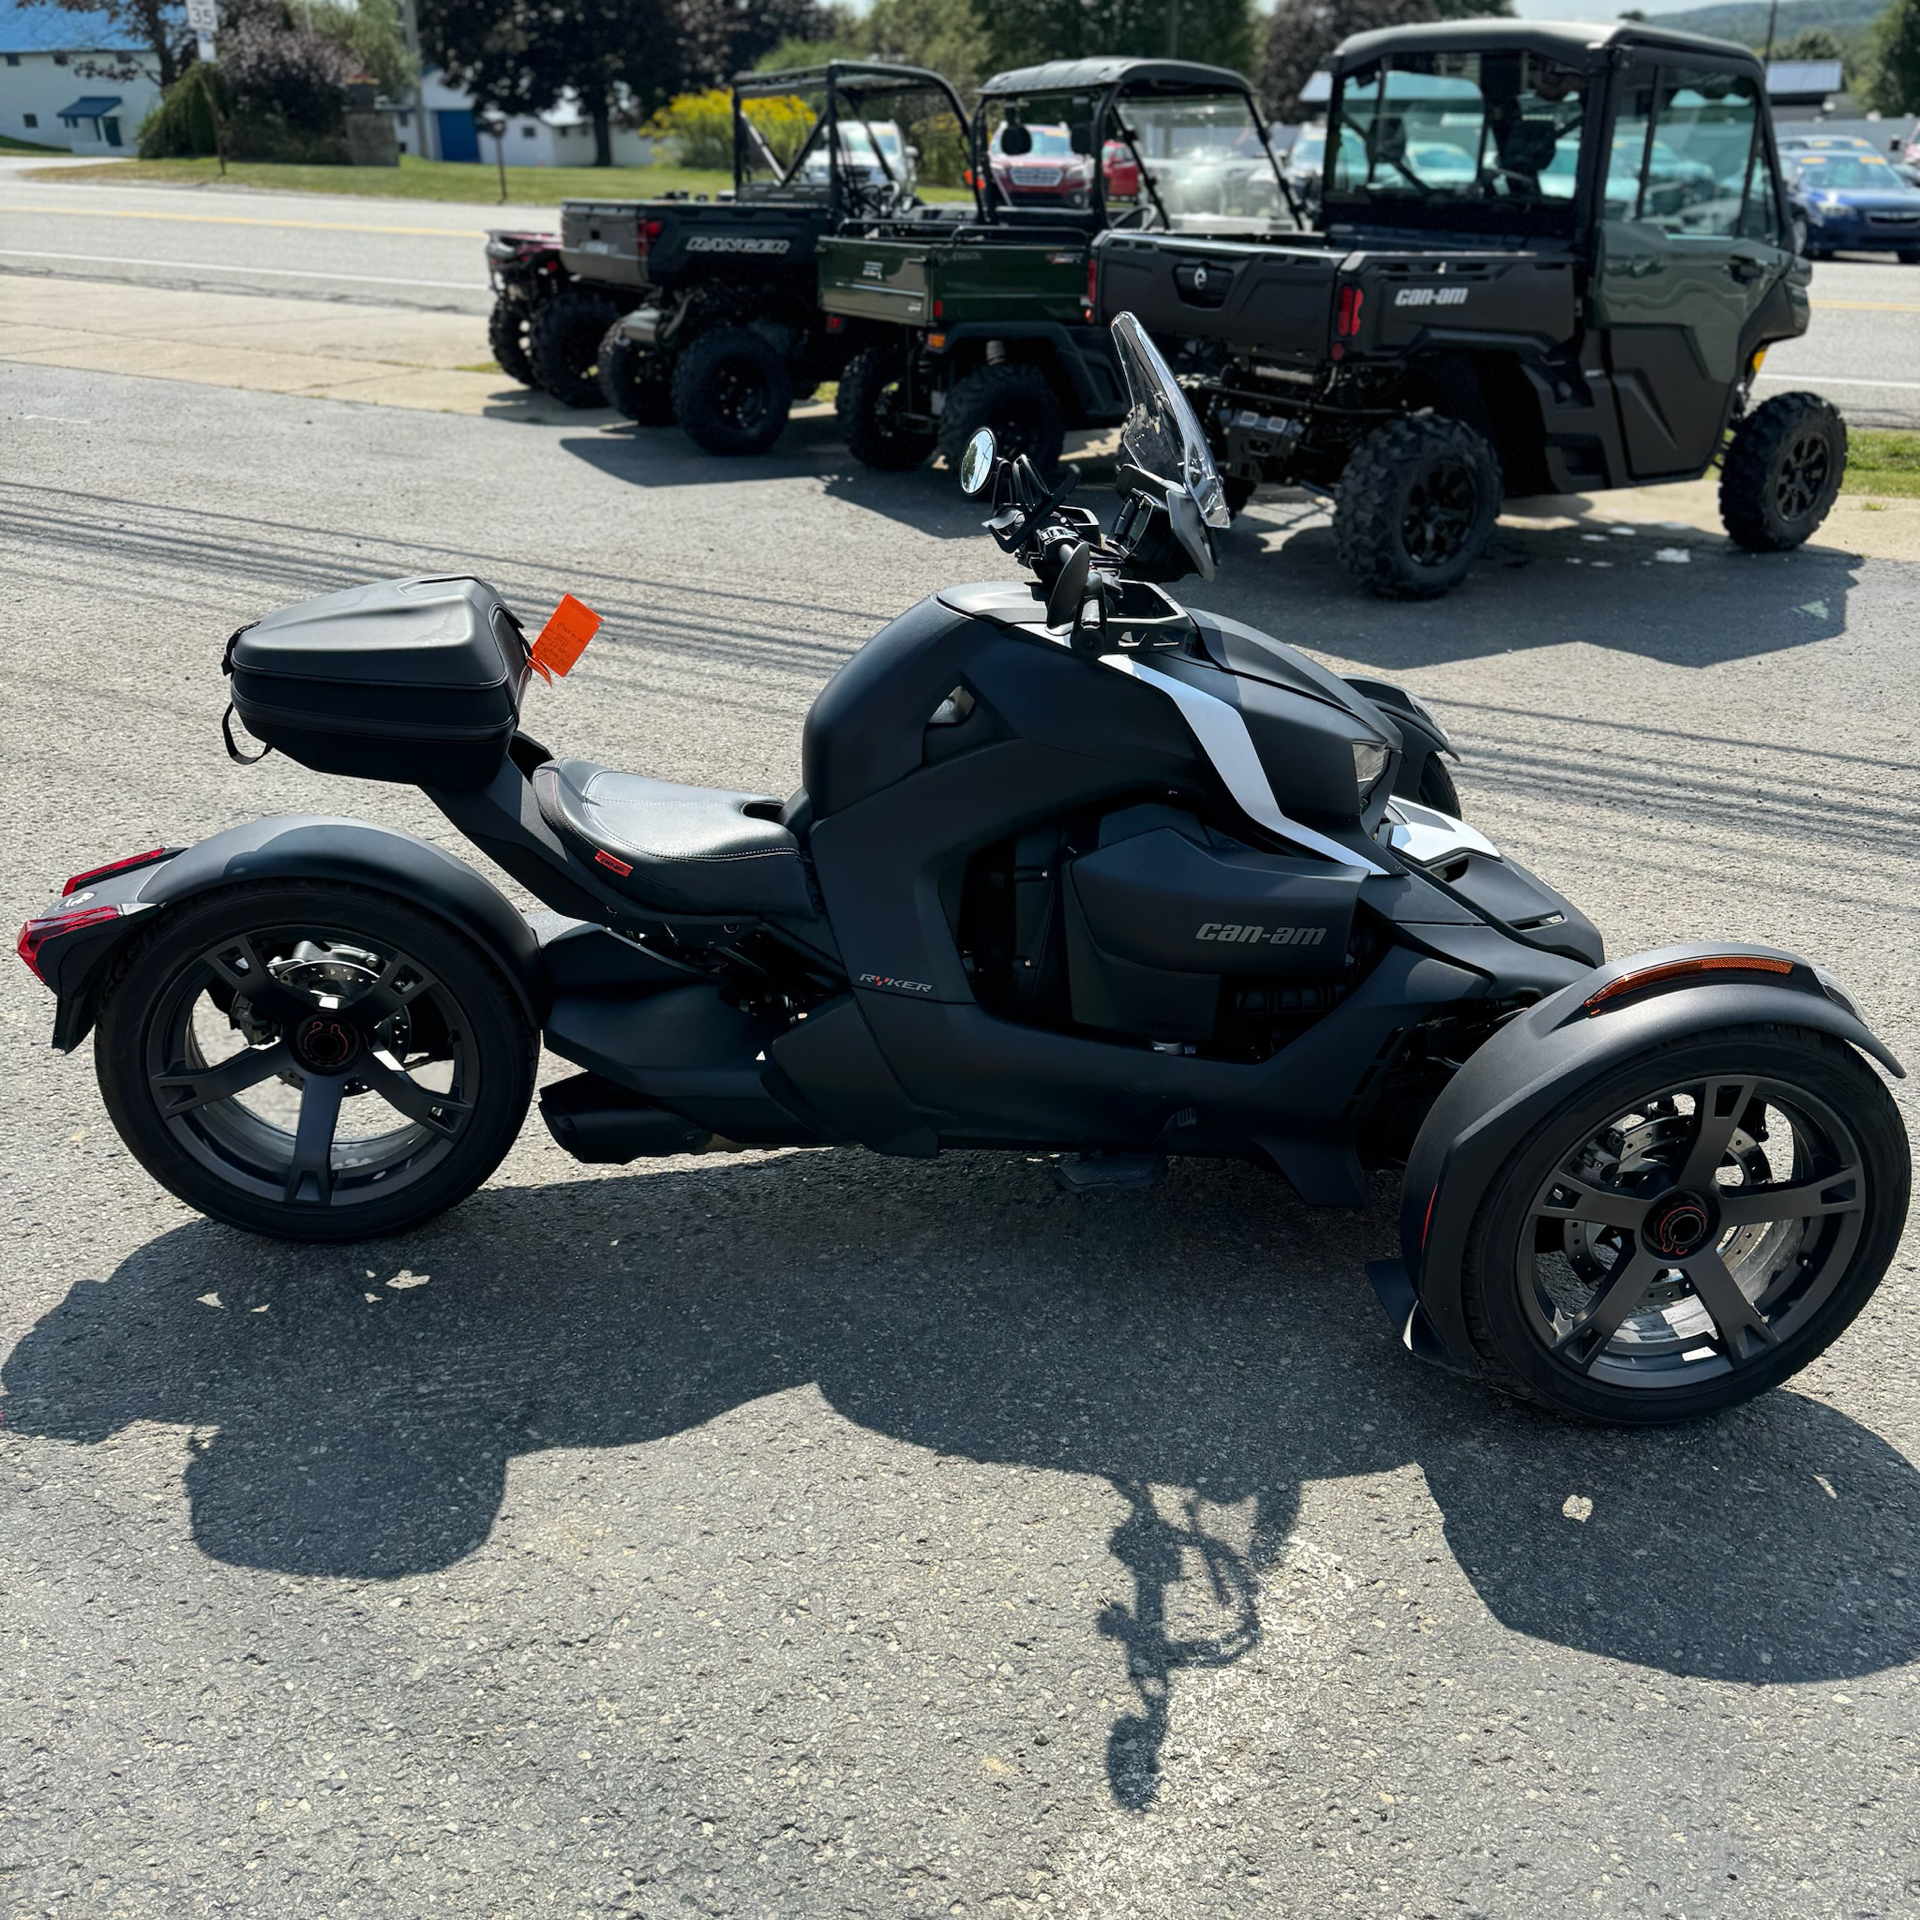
976, 464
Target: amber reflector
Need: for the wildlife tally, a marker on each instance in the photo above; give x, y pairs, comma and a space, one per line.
1678, 969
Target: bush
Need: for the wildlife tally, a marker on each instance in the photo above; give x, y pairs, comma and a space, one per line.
180, 126
702, 124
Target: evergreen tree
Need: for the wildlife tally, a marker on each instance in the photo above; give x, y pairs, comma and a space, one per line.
1895, 86
1024, 32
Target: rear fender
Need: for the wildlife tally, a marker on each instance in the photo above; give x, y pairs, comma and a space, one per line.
1539, 1060
297, 847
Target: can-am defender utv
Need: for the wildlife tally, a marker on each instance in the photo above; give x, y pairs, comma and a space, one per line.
1554, 258
987, 325
724, 330
1075, 869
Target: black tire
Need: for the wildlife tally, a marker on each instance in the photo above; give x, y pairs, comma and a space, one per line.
1910, 256
868, 409
396, 1002
1782, 472
1416, 506
507, 336
1437, 788
1018, 402
1238, 490
732, 391
563, 345
636, 380
1676, 1309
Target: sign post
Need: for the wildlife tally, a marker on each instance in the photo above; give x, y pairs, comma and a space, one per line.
203, 16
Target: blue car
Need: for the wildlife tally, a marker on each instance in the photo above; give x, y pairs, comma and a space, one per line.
1854, 203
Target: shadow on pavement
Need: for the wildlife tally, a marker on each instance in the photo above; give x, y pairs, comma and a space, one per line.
1210, 1344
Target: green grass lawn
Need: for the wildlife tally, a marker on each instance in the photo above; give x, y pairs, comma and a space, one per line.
414, 179
10, 145
427, 180
1882, 462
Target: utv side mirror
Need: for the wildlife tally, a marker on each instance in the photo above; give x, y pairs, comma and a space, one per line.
976, 464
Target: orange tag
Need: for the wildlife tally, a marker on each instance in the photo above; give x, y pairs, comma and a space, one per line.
564, 638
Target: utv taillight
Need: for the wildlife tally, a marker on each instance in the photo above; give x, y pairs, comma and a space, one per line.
132, 860
650, 231
38, 931
1093, 285
1348, 322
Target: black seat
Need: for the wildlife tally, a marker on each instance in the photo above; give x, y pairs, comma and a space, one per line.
694, 849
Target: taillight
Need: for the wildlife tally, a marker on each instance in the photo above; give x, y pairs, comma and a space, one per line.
1093, 284
112, 867
1348, 322
43, 927
650, 231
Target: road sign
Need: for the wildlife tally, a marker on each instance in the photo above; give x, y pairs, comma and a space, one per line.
203, 16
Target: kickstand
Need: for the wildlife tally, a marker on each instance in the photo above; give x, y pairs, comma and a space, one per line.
1110, 1172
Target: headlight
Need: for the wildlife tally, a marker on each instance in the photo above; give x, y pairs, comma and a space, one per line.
1369, 763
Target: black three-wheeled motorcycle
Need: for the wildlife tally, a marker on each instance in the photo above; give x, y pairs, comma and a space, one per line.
1075, 868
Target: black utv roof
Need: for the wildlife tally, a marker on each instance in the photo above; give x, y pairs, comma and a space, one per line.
844, 75
1090, 76
1576, 42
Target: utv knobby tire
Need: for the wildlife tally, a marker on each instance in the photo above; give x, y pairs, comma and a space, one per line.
636, 380
1515, 1362
1782, 472
563, 345
507, 336
867, 407
732, 391
1018, 402
1416, 506
152, 979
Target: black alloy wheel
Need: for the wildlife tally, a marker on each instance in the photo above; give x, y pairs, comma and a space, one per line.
1667, 1249
871, 407
314, 1062
732, 391
1782, 472
1417, 505
563, 345
1018, 402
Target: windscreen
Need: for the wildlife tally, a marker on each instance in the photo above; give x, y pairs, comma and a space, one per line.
1476, 141
894, 144
1039, 153
1160, 434
1198, 164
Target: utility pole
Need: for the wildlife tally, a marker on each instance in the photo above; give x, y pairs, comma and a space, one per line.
410, 32
1773, 19
1173, 28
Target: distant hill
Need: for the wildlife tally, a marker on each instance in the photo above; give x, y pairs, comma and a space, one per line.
1746, 20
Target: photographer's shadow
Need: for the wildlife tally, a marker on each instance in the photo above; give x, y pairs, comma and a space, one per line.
1210, 1345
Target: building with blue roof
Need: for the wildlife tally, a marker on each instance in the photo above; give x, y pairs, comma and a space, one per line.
72, 81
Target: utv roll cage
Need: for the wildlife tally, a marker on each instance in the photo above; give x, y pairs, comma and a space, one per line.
1110, 77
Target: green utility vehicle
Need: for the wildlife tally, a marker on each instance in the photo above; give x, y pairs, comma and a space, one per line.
1554, 258
716, 323
986, 324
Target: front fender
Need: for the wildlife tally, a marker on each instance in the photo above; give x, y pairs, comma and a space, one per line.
305, 847
1540, 1059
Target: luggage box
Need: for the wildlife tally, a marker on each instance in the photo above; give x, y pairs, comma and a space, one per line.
416, 681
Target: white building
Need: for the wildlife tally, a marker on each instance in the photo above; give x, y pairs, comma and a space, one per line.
560, 137
69, 80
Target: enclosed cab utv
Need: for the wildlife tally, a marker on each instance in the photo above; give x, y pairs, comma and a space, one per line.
986, 324
1554, 258
720, 328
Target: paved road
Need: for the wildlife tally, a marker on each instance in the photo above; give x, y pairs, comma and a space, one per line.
1863, 350
815, 1534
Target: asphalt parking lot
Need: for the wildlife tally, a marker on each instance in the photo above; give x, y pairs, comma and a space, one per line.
815, 1534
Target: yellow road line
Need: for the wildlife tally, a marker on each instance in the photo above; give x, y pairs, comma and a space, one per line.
247, 220
1866, 306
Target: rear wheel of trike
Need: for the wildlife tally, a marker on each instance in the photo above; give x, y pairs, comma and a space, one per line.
1690, 1229
315, 1062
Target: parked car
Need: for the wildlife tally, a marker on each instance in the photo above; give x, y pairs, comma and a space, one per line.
1037, 166
874, 153
1854, 203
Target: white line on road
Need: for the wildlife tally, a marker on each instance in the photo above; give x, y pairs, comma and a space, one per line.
215, 266
1842, 380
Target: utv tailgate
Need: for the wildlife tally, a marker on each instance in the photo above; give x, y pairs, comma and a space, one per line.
1273, 300
600, 240
993, 274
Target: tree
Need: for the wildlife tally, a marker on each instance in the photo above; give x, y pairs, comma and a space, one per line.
158, 28
720, 38
946, 35
1023, 32
1811, 43
1303, 33
618, 58
1895, 59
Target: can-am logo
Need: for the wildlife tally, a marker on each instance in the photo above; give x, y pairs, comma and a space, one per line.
735, 243
1254, 936
1431, 297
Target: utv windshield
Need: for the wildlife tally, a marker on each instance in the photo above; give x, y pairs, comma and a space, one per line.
1196, 164
1479, 142
895, 143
